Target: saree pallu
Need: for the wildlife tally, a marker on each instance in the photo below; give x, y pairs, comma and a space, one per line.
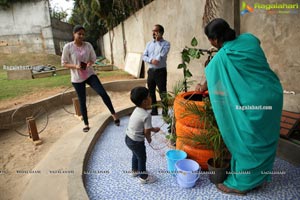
247, 97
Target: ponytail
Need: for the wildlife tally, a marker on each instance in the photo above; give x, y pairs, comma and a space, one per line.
229, 35
219, 29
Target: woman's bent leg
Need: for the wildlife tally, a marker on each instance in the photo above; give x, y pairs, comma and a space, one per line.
95, 83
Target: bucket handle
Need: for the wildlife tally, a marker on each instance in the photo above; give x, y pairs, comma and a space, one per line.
197, 177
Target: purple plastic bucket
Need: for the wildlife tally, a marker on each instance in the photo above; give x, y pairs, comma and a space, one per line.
187, 171
186, 184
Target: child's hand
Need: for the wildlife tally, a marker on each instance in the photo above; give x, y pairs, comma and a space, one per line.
156, 129
149, 140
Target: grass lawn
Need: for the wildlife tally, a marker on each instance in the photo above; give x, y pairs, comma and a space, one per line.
15, 88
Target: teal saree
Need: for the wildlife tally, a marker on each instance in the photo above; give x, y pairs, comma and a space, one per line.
246, 96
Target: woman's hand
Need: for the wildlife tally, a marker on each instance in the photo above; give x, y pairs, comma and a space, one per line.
201, 88
71, 66
89, 64
198, 87
77, 67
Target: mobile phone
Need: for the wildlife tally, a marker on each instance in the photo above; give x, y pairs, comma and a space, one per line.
83, 65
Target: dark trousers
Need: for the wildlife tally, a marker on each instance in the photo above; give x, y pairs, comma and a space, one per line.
157, 77
95, 83
138, 156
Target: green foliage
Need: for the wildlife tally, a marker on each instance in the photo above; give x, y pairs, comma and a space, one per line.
169, 97
188, 54
4, 3
171, 138
107, 12
210, 134
7, 3
99, 16
58, 13
194, 42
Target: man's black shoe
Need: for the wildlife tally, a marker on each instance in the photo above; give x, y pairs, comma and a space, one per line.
154, 112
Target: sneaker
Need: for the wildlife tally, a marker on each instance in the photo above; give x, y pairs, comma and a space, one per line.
148, 180
134, 173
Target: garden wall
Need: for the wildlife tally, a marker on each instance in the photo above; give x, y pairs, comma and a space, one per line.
27, 28
182, 20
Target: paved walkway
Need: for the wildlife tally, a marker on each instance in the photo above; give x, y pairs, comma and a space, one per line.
106, 176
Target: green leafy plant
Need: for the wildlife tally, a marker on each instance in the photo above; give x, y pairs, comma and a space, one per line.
211, 137
187, 54
169, 117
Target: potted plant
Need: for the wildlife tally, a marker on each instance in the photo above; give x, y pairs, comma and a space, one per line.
190, 125
212, 139
186, 125
199, 134
219, 164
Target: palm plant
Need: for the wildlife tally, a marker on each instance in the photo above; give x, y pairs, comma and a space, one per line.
210, 134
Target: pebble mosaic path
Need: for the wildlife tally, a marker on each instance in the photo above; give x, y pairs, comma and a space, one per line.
107, 174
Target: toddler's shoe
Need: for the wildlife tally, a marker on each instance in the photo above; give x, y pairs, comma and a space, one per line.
148, 180
134, 173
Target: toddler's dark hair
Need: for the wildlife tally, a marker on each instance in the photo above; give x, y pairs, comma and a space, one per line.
138, 94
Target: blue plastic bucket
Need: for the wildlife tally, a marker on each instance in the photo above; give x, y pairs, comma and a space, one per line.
172, 157
187, 170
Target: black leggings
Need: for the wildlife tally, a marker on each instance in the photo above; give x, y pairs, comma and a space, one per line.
95, 83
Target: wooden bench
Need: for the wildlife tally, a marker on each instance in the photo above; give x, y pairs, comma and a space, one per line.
290, 122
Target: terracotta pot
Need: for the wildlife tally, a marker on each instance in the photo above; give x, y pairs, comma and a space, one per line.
192, 97
199, 153
184, 131
190, 125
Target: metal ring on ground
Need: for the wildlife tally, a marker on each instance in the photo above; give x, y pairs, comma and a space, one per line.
40, 114
67, 92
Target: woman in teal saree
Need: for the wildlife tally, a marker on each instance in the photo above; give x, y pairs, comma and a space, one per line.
246, 96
